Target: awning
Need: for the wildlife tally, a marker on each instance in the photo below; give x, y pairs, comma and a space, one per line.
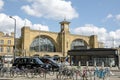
93, 52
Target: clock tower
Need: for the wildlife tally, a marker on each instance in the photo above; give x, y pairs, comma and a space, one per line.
64, 35
64, 26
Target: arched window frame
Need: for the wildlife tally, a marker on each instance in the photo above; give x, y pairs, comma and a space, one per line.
42, 44
78, 43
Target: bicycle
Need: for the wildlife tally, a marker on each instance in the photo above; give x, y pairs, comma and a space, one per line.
65, 72
15, 71
31, 73
101, 73
5, 72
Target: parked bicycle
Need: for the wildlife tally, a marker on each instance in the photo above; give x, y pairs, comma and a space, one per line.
65, 73
15, 71
5, 72
101, 73
31, 73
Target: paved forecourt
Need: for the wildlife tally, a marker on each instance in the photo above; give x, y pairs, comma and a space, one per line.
116, 76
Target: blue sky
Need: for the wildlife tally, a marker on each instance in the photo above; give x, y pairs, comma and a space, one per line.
87, 17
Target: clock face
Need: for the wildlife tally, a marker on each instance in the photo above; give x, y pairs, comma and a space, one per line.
65, 27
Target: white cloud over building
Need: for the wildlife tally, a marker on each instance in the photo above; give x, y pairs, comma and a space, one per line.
110, 39
7, 24
51, 9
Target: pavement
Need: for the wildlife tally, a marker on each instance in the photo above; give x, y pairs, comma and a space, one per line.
116, 76
21, 78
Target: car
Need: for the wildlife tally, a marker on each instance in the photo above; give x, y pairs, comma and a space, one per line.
27, 62
52, 62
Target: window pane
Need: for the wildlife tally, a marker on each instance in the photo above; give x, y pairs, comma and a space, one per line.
9, 42
42, 44
1, 41
78, 44
1, 49
8, 49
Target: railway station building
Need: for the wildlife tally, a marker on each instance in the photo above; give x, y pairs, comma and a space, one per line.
54, 44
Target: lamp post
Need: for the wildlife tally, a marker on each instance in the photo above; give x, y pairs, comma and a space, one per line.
14, 47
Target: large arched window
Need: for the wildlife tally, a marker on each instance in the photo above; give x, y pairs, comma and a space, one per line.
78, 44
42, 44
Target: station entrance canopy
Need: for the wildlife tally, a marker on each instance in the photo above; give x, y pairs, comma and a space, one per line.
96, 55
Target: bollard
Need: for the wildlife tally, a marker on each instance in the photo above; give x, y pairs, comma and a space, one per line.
95, 63
87, 64
79, 63
45, 75
111, 65
102, 64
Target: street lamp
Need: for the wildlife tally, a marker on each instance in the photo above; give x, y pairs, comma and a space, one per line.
14, 47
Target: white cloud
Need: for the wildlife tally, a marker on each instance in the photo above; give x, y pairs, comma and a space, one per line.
109, 16
117, 17
53, 9
115, 34
108, 38
1, 4
7, 24
90, 29
40, 27
114, 17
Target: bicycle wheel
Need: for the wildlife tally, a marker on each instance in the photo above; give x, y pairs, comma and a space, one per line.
51, 73
13, 74
30, 74
42, 74
1, 73
61, 75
